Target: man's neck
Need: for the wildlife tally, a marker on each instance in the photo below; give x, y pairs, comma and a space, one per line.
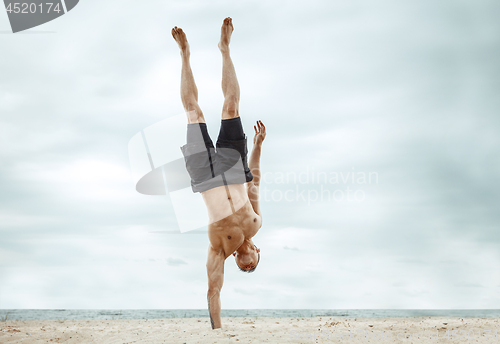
245, 247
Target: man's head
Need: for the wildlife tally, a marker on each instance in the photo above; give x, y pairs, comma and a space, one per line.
248, 261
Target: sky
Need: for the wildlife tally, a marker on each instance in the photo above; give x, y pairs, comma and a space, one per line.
380, 166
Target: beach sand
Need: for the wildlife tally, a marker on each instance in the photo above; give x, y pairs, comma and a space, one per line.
255, 330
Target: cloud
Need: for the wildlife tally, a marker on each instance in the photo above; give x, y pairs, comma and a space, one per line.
175, 261
408, 91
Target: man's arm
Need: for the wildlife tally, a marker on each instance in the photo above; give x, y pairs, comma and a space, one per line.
254, 165
215, 272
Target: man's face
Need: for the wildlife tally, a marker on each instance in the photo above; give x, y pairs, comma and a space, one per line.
247, 261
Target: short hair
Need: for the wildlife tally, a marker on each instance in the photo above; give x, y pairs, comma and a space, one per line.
255, 267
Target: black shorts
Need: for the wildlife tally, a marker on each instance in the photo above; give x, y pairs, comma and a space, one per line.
210, 168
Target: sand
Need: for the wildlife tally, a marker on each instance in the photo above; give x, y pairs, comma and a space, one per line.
255, 330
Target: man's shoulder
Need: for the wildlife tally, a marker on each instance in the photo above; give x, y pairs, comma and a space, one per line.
217, 250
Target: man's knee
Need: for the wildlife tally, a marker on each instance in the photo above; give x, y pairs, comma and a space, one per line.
231, 107
194, 113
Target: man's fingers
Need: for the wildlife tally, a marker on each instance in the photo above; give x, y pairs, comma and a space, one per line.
263, 126
260, 128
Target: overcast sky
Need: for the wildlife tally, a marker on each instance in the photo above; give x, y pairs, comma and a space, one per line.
401, 96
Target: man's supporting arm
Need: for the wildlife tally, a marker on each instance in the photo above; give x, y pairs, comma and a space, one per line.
215, 272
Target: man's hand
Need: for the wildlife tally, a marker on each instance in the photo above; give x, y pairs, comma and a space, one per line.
260, 133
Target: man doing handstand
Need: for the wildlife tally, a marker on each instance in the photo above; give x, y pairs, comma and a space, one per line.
220, 176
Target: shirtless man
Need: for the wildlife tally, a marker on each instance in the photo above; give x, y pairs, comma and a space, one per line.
220, 177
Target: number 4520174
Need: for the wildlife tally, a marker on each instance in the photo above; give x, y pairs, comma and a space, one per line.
23, 7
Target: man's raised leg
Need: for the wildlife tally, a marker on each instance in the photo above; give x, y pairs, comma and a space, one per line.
230, 87
189, 92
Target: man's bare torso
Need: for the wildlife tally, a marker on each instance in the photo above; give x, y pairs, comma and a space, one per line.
232, 218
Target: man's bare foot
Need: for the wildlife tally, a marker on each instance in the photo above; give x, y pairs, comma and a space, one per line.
225, 35
180, 38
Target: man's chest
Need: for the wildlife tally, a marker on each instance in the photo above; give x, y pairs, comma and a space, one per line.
229, 234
